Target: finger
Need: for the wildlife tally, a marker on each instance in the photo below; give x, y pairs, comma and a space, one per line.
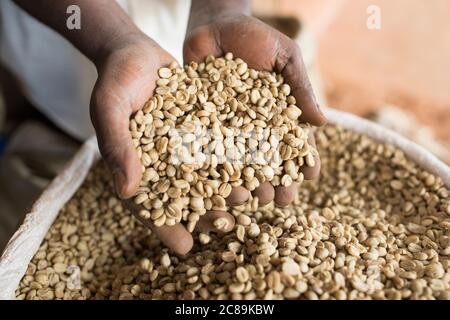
311, 173
285, 195
291, 66
206, 222
239, 195
111, 124
175, 237
265, 193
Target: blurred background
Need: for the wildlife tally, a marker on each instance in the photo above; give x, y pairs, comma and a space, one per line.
397, 75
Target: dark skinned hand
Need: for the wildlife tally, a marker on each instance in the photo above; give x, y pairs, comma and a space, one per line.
126, 81
262, 48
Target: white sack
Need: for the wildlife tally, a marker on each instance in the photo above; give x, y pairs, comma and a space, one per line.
27, 239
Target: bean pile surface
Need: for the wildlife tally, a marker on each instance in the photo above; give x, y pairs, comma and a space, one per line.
374, 226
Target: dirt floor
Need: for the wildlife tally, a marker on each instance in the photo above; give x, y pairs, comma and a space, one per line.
405, 63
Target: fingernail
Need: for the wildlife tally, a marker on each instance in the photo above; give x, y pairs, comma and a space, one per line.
119, 182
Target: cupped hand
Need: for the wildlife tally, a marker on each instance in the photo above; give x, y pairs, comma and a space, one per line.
262, 48
126, 80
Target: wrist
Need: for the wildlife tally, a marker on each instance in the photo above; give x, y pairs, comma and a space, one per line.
205, 11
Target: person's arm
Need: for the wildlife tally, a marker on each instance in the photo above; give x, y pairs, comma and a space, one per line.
104, 25
108, 37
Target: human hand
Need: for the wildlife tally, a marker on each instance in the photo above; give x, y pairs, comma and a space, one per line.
263, 48
126, 80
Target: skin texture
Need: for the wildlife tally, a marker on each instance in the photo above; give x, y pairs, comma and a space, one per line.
127, 62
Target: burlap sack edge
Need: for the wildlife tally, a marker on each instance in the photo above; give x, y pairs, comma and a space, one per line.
27, 239
415, 152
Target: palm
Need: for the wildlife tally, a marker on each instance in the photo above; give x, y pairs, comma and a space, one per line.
246, 37
128, 77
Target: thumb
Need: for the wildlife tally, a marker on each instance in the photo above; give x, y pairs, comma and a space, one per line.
295, 74
200, 44
111, 122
